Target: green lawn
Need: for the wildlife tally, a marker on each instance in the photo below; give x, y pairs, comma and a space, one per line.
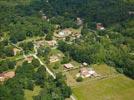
117, 88
104, 69
29, 94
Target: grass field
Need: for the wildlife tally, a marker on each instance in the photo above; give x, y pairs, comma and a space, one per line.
29, 94
119, 87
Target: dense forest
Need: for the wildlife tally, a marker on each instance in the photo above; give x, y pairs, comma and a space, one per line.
22, 19
106, 12
26, 78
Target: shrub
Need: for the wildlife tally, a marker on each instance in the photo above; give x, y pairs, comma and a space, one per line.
79, 79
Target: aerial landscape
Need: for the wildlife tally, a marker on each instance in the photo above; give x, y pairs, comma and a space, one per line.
66, 49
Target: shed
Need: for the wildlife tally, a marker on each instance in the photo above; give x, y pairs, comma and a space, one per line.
68, 66
53, 59
100, 26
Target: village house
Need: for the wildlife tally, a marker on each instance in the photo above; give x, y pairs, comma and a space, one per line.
59, 55
68, 66
131, 12
79, 21
53, 59
86, 72
6, 75
76, 35
16, 51
44, 17
64, 33
99, 26
40, 43
57, 26
85, 64
29, 59
52, 42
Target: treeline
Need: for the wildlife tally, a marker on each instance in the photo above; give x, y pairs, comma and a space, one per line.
92, 11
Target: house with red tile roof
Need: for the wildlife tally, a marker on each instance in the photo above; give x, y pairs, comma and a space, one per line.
68, 66
6, 75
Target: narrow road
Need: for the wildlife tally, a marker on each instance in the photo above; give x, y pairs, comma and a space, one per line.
50, 72
72, 97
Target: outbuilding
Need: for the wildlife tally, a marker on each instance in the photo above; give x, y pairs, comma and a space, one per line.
68, 66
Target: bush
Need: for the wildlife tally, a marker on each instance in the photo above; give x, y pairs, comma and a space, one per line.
35, 63
49, 36
56, 66
79, 79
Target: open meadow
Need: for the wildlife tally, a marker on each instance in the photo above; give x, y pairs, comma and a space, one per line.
114, 87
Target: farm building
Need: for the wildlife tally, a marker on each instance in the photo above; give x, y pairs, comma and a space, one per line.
85, 72
68, 66
64, 33
53, 59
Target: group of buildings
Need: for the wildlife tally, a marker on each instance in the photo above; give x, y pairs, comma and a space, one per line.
41, 43
68, 32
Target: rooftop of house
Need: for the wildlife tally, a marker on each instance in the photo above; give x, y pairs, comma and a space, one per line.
29, 59
52, 42
44, 17
68, 66
53, 59
84, 69
40, 43
100, 26
79, 21
86, 72
7, 75
131, 12
64, 32
85, 64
